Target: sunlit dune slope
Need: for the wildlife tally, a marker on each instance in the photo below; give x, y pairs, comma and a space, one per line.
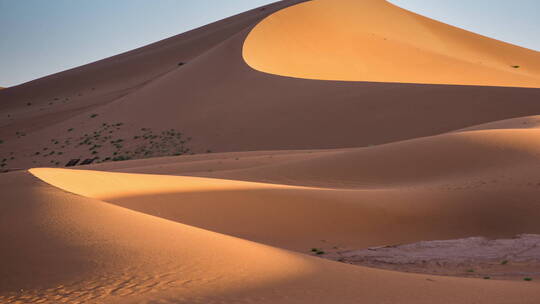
373, 40
423, 161
68, 248
62, 245
462, 184
403, 192
486, 149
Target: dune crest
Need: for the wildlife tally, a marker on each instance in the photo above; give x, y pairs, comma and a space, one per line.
373, 40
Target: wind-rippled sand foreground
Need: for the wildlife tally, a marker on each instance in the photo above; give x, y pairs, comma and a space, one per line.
298, 164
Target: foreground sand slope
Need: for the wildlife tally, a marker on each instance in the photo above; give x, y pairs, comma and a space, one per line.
90, 251
373, 40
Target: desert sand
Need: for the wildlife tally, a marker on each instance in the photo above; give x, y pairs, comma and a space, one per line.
222, 157
374, 40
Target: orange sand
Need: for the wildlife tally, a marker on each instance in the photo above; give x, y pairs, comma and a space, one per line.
373, 40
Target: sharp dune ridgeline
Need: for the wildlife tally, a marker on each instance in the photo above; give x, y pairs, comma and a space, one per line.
349, 41
223, 164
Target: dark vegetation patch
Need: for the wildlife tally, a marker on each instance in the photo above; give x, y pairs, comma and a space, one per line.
106, 144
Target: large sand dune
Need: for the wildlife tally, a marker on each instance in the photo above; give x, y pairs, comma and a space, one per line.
310, 156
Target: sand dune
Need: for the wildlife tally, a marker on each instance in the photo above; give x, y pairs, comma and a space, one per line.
181, 264
90, 251
489, 149
391, 45
407, 188
439, 146
224, 105
527, 122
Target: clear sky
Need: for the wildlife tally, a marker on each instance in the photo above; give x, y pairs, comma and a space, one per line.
41, 37
513, 21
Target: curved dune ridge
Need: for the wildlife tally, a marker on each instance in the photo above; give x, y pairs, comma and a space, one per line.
373, 40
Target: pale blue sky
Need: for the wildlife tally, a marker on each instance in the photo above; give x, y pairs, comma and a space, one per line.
513, 21
41, 37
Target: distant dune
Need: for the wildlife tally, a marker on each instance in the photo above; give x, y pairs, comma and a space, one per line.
221, 164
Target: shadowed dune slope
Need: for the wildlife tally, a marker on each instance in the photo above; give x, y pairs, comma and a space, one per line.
527, 122
127, 71
68, 248
373, 40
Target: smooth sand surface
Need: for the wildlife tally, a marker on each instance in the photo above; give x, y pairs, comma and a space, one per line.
373, 40
300, 164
